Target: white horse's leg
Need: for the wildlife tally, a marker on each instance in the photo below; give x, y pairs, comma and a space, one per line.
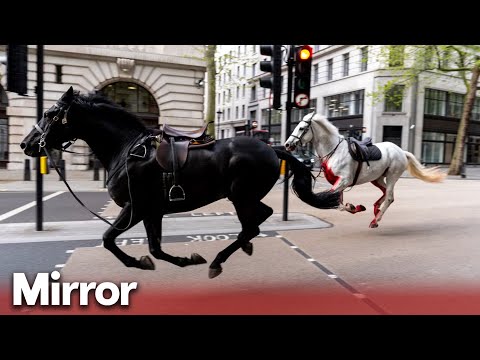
380, 183
341, 185
388, 198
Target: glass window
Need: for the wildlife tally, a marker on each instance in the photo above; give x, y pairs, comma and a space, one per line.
396, 55
315, 74
329, 69
364, 58
134, 98
394, 99
344, 104
346, 64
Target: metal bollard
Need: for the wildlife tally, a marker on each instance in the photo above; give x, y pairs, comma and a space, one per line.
104, 177
26, 171
96, 168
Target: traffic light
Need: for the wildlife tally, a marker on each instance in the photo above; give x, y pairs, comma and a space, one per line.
303, 70
17, 69
274, 66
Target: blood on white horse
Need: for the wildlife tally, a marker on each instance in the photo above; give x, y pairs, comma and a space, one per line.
340, 168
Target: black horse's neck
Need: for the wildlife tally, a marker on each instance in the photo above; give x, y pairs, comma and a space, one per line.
109, 130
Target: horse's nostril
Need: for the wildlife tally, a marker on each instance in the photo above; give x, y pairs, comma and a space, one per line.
23, 145
287, 145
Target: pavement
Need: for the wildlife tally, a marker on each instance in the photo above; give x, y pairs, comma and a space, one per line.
320, 261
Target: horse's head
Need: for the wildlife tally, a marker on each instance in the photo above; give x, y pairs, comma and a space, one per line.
52, 130
302, 134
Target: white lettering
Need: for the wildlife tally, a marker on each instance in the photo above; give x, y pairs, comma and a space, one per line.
139, 241
101, 298
21, 286
84, 289
60, 293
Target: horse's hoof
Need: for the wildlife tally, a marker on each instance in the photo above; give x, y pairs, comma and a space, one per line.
359, 208
214, 272
248, 248
350, 208
197, 259
373, 225
146, 263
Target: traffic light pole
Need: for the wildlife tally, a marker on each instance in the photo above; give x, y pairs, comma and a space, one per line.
288, 107
39, 91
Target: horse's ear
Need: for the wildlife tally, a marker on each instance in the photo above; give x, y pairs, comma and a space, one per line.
68, 96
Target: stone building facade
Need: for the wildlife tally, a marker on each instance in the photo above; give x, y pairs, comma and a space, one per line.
162, 84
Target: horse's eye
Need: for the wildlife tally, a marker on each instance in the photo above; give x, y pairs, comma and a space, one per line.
45, 114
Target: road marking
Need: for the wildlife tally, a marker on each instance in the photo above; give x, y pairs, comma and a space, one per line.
28, 206
69, 251
59, 266
339, 280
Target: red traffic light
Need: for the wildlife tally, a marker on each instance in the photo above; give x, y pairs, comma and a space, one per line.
304, 53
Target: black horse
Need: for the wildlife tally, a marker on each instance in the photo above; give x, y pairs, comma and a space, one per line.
242, 169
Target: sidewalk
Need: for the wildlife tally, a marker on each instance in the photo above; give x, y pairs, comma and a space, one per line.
12, 180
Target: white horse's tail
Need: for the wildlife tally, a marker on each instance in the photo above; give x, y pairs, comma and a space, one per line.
421, 172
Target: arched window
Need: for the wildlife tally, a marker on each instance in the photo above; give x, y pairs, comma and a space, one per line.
3, 129
135, 99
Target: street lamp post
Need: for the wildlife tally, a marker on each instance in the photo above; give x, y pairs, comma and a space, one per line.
219, 113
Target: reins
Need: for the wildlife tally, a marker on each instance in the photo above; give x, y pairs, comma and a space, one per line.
42, 145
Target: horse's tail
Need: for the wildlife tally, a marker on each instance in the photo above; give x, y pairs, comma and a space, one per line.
416, 169
303, 182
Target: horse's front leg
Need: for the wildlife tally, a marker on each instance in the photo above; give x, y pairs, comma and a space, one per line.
125, 220
340, 185
153, 227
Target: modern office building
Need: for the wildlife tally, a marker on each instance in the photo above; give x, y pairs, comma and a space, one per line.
159, 83
422, 117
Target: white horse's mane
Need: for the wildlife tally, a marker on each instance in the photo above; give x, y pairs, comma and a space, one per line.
323, 121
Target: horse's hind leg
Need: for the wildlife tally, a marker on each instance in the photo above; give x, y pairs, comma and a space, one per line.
380, 183
153, 227
125, 220
388, 198
263, 213
250, 216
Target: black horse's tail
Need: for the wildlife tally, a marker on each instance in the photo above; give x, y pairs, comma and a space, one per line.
302, 184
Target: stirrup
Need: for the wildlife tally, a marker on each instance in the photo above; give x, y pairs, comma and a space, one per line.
178, 197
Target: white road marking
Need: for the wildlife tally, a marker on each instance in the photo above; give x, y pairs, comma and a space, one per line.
59, 266
311, 260
69, 251
332, 276
28, 206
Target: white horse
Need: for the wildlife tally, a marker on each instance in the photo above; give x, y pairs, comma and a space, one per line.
342, 171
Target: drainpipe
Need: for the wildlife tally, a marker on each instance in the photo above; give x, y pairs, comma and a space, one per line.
413, 117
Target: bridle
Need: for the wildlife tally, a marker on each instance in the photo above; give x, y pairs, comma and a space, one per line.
44, 132
42, 145
305, 130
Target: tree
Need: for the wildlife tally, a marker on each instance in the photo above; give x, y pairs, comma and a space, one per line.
408, 62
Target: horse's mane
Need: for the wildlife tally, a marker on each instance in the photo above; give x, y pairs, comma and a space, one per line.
96, 100
322, 120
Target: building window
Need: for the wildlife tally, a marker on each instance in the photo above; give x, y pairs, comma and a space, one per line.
443, 103
58, 74
329, 69
364, 59
433, 147
253, 69
238, 92
244, 70
229, 114
346, 104
346, 64
243, 111
236, 112
315, 74
393, 134
253, 93
316, 48
396, 55
243, 91
394, 99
